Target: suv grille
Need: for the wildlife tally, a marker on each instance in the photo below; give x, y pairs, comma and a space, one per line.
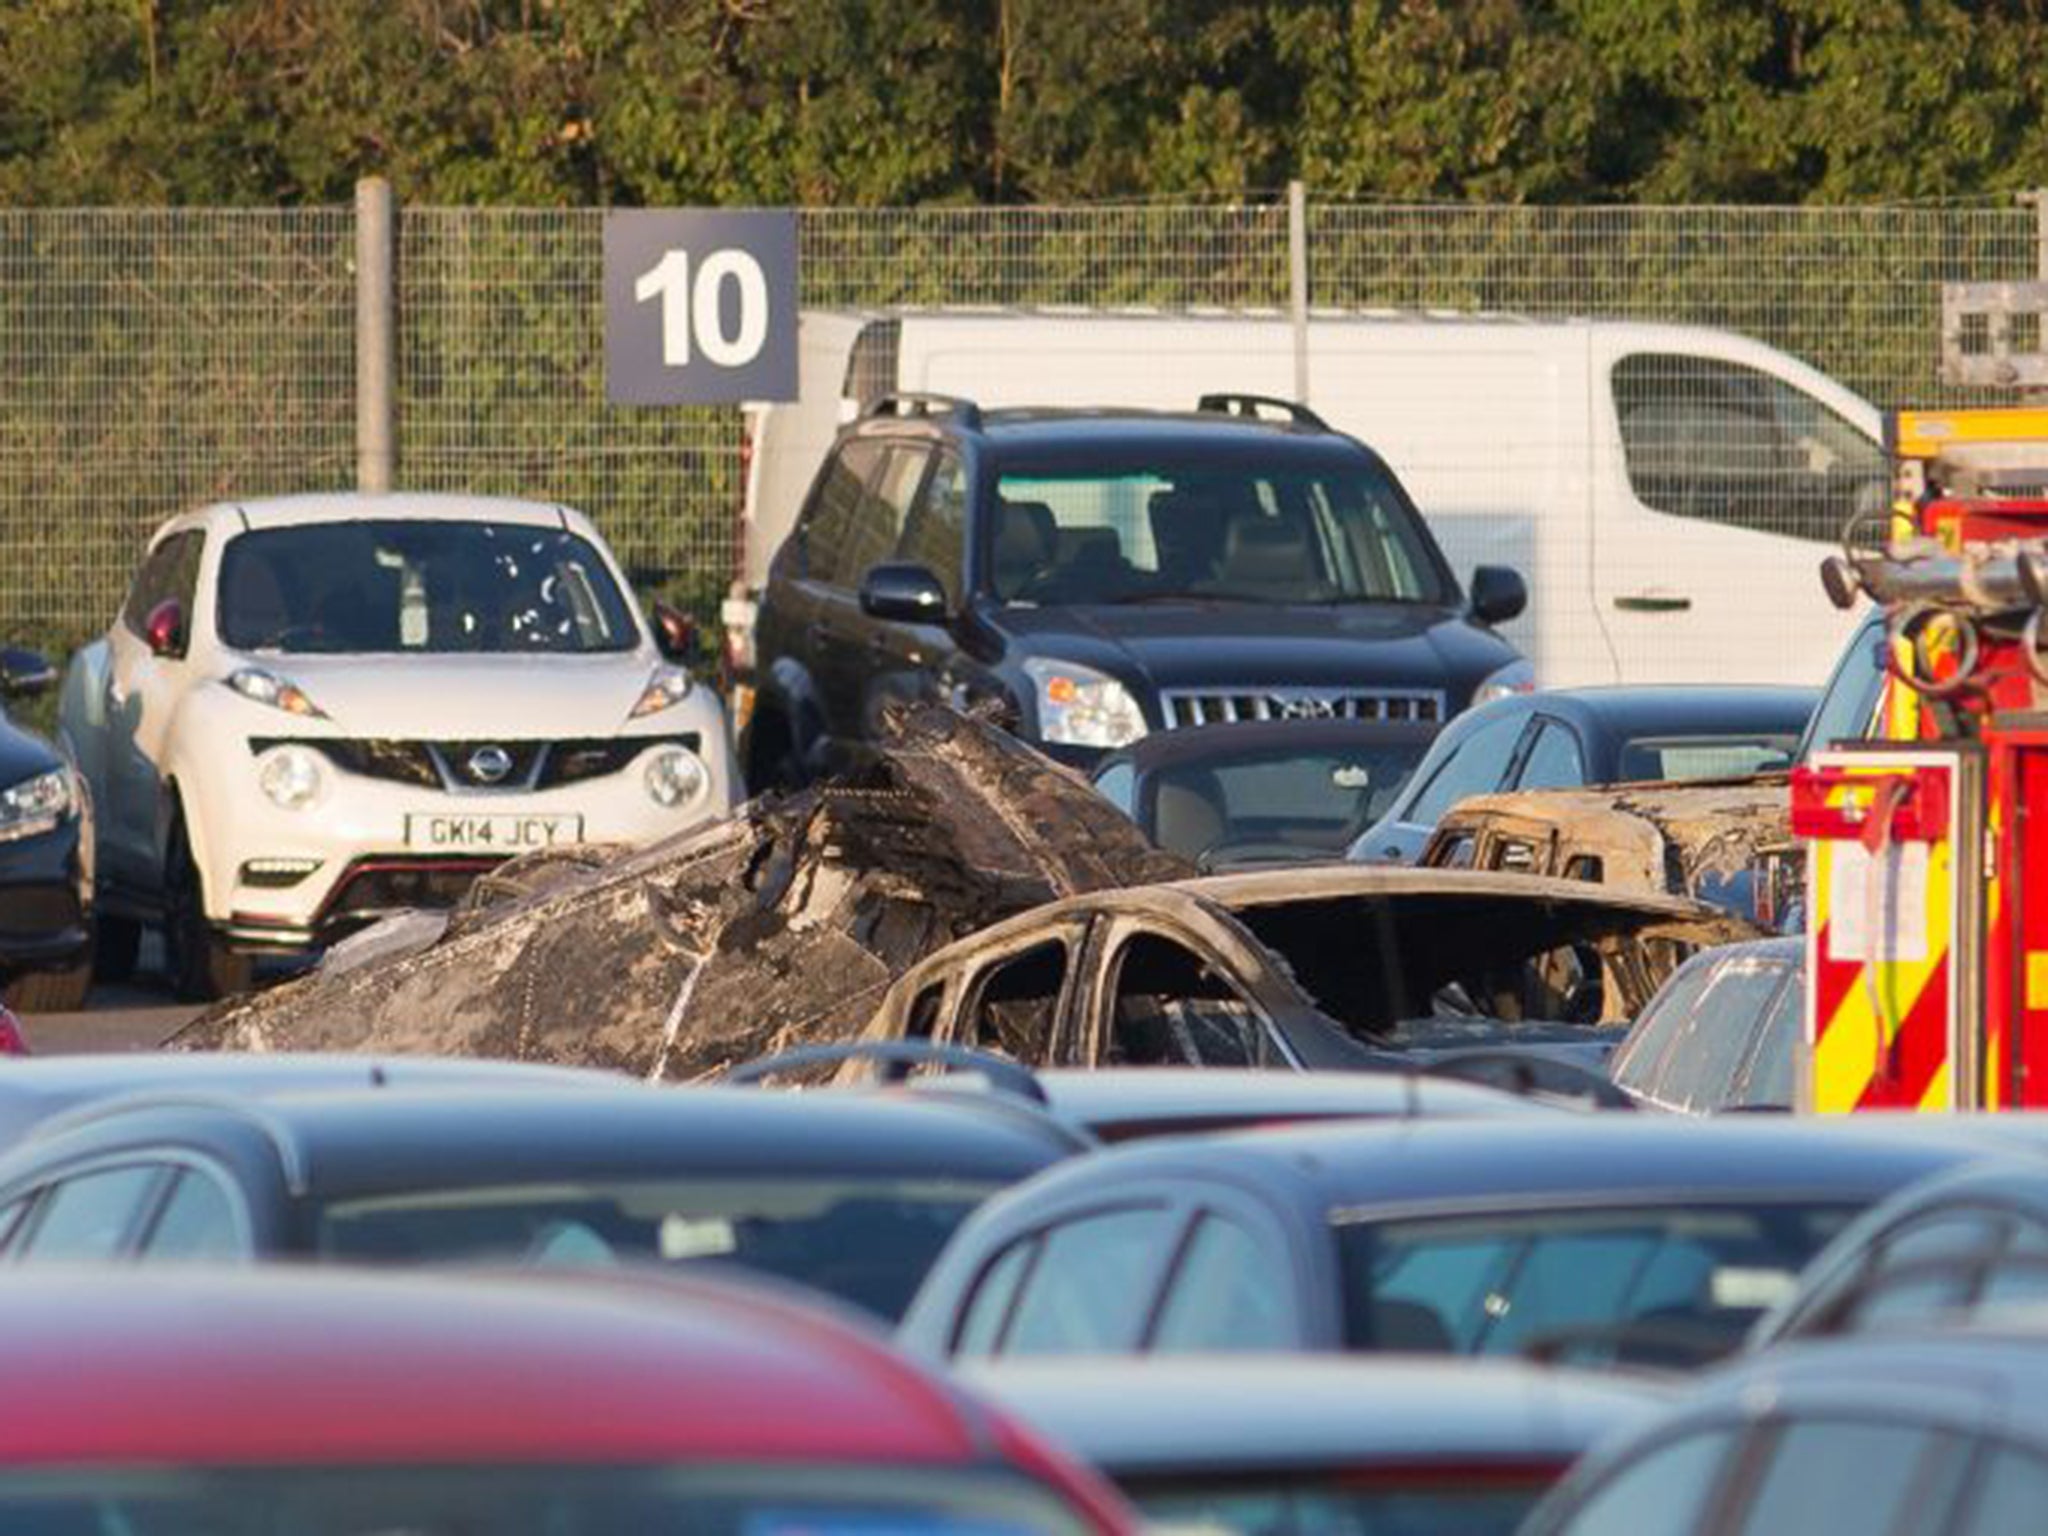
453, 764
1203, 706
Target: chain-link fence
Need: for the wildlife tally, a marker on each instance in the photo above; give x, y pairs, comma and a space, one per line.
153, 359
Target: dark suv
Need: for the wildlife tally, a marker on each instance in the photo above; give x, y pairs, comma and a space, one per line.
1100, 574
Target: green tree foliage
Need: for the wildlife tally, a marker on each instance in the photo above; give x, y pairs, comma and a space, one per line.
879, 102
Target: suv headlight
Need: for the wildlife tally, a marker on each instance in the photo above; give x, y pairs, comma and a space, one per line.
1515, 677
668, 687
1080, 707
36, 805
290, 776
267, 687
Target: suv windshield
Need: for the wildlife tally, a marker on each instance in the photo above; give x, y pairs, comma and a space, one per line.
419, 586
1308, 534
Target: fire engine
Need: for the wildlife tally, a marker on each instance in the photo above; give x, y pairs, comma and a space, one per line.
1927, 849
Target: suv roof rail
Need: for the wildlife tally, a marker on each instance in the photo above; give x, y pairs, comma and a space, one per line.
1233, 404
898, 1057
910, 402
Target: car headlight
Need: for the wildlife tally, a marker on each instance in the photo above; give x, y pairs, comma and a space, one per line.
1080, 707
278, 692
1515, 677
36, 805
668, 687
290, 776
675, 776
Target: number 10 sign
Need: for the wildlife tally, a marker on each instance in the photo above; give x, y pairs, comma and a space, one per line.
699, 306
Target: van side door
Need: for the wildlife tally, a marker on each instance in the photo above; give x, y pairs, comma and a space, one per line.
1718, 484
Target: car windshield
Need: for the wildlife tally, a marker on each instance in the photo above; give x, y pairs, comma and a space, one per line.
1464, 1500
419, 586
1285, 803
1705, 757
1678, 1284
525, 1499
1203, 532
867, 1241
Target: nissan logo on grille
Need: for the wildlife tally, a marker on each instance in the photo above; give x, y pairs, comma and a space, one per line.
489, 765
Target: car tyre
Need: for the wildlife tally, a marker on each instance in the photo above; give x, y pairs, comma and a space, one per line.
50, 991
116, 946
201, 964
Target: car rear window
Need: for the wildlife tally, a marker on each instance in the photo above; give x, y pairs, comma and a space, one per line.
867, 1241
1672, 1283
783, 1499
1705, 757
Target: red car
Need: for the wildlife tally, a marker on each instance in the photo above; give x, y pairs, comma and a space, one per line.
325, 1403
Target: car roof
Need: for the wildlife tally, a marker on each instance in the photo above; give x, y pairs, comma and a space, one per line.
1985, 1377
1359, 1168
344, 1144
1682, 708
1239, 1415
1204, 743
1049, 430
408, 506
1120, 1101
41, 1087
281, 1365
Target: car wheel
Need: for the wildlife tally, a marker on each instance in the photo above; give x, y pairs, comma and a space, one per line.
50, 991
202, 966
116, 944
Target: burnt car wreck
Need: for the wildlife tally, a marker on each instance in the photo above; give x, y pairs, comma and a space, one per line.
783, 924
799, 921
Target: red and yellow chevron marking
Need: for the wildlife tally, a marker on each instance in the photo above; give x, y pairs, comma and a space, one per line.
1880, 1029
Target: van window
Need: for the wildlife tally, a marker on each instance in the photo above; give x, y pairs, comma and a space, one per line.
1731, 444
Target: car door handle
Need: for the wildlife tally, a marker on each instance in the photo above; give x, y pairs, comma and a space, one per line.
1652, 602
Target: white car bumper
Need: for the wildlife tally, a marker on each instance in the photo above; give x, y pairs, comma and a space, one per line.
371, 841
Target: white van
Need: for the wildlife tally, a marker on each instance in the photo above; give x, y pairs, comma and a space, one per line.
1668, 491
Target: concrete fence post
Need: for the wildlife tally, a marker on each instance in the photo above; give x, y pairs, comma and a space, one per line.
1297, 282
376, 335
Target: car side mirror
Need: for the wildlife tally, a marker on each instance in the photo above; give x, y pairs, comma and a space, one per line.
906, 593
164, 629
1498, 594
24, 673
675, 633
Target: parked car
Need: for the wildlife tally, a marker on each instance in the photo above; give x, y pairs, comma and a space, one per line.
1953, 1245
1267, 793
853, 1197
330, 1404
318, 709
1940, 1432
1300, 967
33, 1092
1723, 1033
1296, 1443
1098, 575
1659, 1240
1660, 485
46, 847
1567, 738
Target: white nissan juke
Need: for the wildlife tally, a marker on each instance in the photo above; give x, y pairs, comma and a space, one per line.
316, 710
